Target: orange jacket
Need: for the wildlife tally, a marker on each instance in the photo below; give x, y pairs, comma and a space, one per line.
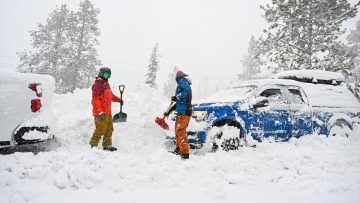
102, 97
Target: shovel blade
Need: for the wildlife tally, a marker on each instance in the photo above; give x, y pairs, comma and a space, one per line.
120, 117
161, 122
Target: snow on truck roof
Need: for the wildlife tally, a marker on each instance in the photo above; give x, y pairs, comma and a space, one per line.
261, 82
322, 95
318, 94
312, 76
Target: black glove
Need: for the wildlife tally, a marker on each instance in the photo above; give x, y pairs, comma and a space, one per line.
174, 98
101, 116
121, 102
166, 114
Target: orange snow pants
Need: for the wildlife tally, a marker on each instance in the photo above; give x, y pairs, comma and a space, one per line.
181, 123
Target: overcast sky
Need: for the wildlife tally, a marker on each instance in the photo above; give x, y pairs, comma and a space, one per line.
205, 38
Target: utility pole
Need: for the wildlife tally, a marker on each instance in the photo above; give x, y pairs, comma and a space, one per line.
205, 86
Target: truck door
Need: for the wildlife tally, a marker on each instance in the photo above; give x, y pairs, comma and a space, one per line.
301, 116
272, 120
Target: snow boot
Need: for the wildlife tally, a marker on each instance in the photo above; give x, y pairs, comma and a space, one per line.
184, 156
111, 149
176, 151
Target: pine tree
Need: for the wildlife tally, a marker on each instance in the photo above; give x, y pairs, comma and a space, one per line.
83, 38
50, 44
153, 67
251, 61
340, 59
303, 34
354, 43
169, 87
64, 47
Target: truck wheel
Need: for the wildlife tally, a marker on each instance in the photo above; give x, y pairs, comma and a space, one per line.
340, 128
228, 142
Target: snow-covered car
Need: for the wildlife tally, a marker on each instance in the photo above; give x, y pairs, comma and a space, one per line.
25, 108
293, 104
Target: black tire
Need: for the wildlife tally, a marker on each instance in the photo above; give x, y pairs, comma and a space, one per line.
230, 143
340, 128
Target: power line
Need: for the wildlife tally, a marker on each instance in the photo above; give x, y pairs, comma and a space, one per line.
13, 64
161, 65
8, 56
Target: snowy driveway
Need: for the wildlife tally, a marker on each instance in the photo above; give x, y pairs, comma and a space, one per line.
311, 169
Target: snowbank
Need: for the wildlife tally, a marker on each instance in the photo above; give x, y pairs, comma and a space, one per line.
310, 169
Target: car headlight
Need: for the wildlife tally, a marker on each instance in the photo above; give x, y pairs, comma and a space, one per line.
199, 115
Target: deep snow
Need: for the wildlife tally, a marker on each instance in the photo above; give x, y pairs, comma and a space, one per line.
313, 168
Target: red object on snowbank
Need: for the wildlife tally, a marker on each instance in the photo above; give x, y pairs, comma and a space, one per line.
161, 122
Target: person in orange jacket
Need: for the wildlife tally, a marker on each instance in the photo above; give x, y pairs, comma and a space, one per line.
102, 97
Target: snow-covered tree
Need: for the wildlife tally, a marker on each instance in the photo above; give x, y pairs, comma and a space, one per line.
169, 87
64, 47
152, 68
49, 41
304, 34
354, 43
340, 59
83, 39
251, 61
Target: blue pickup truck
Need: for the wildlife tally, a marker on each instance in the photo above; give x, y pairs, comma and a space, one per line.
294, 104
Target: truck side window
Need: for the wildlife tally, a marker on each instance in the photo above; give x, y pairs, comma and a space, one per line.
274, 96
296, 97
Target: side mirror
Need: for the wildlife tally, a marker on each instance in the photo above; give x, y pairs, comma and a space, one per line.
260, 102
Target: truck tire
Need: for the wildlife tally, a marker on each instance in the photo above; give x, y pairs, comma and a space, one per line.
228, 143
340, 128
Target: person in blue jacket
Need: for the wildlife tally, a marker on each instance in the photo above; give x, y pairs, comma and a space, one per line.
183, 107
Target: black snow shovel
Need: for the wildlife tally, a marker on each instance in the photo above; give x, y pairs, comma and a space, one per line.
121, 116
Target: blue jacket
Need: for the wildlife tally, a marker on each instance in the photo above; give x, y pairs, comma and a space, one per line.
184, 95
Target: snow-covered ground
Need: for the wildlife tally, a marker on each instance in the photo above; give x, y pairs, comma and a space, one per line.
310, 169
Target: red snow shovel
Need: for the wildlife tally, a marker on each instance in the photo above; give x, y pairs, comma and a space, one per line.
161, 121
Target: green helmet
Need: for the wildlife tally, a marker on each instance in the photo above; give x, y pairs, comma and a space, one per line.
105, 73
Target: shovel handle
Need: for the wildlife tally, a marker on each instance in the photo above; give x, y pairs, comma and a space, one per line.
171, 104
121, 88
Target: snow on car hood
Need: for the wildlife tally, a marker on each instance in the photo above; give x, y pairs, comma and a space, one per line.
232, 94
